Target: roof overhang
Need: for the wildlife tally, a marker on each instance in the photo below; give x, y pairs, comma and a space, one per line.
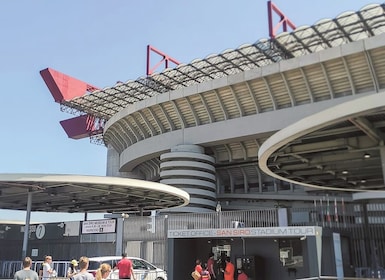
340, 148
78, 193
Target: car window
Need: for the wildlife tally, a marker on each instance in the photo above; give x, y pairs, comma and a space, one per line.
114, 263
140, 264
93, 265
149, 266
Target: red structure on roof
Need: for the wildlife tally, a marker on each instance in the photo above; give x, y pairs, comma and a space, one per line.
82, 126
83, 99
285, 22
65, 88
165, 58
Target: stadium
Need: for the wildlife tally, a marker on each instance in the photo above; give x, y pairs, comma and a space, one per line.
292, 122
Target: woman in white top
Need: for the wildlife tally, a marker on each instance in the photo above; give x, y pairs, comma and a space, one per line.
47, 269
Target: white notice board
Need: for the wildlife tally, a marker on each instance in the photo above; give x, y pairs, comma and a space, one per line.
99, 226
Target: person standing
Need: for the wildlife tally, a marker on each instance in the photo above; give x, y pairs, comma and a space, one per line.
198, 266
125, 268
103, 271
197, 272
242, 275
72, 269
229, 270
47, 270
83, 273
210, 266
205, 274
221, 265
26, 272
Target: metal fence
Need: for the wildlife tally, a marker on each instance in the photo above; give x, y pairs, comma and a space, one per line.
8, 268
224, 219
364, 223
335, 278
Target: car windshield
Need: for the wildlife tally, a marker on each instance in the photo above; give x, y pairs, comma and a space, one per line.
141, 264
136, 264
93, 265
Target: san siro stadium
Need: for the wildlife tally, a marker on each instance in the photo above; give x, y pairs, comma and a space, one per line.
294, 123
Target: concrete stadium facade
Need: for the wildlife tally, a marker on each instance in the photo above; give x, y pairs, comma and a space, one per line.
200, 126
205, 138
291, 123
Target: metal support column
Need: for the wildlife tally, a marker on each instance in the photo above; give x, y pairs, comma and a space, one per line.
26, 227
382, 153
165, 241
119, 230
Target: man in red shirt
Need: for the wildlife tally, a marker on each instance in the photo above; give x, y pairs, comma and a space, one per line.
210, 266
229, 270
125, 268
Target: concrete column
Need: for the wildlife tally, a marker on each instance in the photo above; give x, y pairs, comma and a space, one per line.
382, 153
119, 236
170, 261
312, 257
113, 166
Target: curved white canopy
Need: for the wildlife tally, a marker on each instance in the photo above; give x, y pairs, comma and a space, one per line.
79, 193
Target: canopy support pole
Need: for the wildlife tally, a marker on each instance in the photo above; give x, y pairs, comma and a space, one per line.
26, 227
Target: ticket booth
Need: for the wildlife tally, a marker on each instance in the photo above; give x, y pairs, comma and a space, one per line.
265, 253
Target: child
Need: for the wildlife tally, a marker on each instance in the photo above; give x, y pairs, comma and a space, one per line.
205, 275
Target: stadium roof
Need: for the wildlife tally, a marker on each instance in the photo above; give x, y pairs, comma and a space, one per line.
326, 33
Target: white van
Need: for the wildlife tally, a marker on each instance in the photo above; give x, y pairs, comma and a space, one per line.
143, 270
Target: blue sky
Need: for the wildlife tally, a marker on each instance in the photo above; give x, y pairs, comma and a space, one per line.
101, 42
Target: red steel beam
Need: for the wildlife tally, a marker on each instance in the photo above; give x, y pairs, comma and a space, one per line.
82, 126
64, 87
165, 58
284, 20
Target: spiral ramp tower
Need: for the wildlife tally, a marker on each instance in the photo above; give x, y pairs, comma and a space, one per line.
188, 168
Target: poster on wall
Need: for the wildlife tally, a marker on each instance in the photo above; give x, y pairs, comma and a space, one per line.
72, 228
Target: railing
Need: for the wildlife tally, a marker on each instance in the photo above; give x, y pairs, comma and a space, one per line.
335, 278
8, 268
362, 222
224, 219
138, 276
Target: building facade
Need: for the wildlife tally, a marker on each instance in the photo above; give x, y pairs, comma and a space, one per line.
200, 127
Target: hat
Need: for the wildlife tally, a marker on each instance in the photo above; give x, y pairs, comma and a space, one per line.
74, 262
